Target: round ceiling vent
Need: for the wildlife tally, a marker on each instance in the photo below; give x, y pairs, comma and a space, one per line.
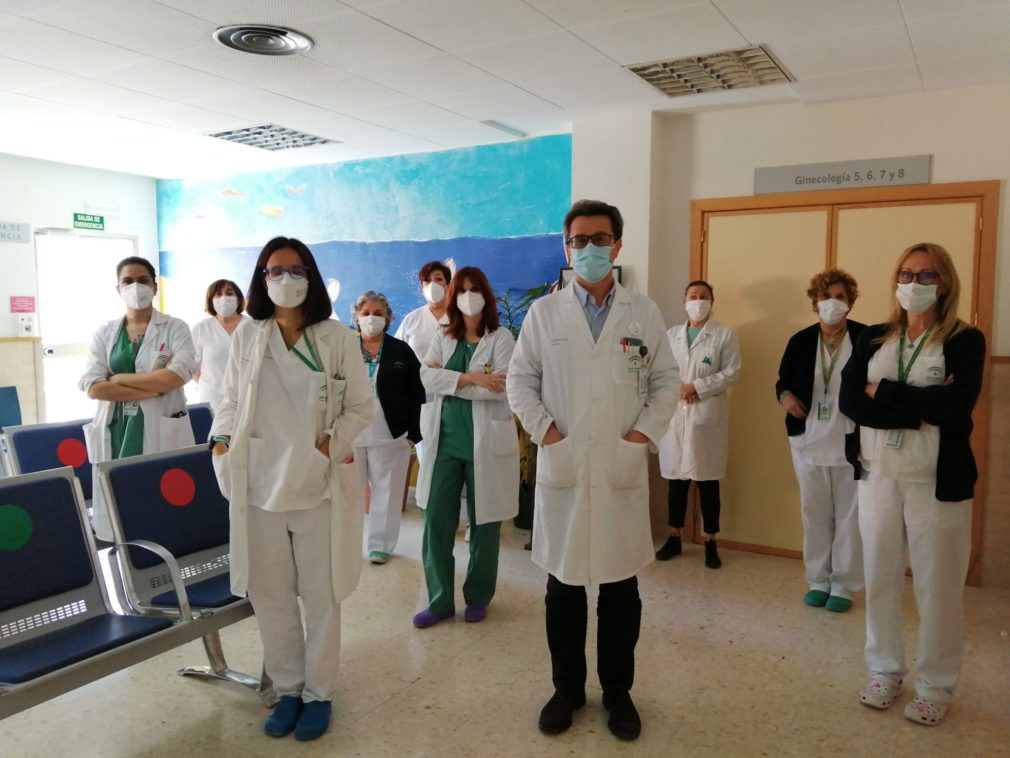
263, 40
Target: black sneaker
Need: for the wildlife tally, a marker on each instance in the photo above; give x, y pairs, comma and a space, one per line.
624, 721
556, 716
671, 549
712, 555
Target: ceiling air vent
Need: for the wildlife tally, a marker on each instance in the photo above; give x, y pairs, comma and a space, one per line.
735, 69
263, 40
271, 137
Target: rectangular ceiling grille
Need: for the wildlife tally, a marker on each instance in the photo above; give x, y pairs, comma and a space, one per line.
735, 69
271, 137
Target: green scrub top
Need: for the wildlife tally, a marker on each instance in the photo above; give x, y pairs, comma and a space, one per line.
127, 425
455, 436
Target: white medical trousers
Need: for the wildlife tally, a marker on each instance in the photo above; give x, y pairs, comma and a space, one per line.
383, 469
289, 555
832, 550
893, 513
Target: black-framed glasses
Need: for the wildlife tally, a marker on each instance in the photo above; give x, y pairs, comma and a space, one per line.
274, 273
922, 277
600, 239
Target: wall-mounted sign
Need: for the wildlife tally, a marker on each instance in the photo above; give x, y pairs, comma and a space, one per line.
15, 232
22, 303
89, 221
873, 172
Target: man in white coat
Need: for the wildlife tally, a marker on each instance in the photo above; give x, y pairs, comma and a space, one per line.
593, 381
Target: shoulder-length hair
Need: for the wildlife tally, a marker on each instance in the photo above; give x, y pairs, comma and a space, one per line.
489, 321
317, 306
819, 284
947, 323
216, 287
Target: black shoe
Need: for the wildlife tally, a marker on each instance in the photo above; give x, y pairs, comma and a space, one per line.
556, 716
624, 722
671, 549
712, 555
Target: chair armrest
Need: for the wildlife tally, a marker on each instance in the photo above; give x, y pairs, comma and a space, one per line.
173, 569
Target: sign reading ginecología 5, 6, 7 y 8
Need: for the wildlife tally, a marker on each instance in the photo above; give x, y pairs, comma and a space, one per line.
871, 172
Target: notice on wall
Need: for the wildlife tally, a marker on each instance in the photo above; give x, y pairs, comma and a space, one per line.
872, 172
89, 221
11, 231
22, 303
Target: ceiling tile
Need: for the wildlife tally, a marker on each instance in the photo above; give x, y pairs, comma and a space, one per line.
465, 135
32, 42
826, 54
526, 61
581, 12
965, 72
540, 123
329, 88
16, 75
925, 10
602, 88
433, 76
859, 84
410, 116
272, 12
94, 96
979, 33
677, 33
396, 144
169, 80
495, 103
188, 119
774, 20
354, 41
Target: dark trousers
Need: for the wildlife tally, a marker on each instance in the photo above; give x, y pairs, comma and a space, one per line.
710, 504
618, 620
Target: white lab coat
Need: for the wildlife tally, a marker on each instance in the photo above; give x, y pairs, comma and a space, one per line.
591, 523
419, 328
212, 344
696, 446
495, 439
167, 344
348, 411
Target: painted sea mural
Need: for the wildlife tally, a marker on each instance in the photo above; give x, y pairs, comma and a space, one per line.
372, 224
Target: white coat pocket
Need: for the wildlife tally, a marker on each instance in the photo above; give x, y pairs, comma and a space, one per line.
629, 467
222, 472
556, 465
429, 427
175, 433
504, 437
335, 389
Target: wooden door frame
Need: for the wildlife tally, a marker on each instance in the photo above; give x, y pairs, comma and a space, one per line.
986, 193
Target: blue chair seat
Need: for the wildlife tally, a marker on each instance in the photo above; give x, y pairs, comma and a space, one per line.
210, 593
42, 655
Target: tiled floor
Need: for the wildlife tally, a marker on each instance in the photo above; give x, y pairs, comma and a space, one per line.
730, 663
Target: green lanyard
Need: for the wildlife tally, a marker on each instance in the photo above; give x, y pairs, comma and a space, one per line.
828, 367
371, 360
315, 364
903, 370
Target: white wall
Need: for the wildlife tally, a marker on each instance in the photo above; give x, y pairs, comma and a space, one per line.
46, 194
714, 154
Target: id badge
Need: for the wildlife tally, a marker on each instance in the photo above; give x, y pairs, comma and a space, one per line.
824, 411
643, 383
162, 360
893, 438
131, 408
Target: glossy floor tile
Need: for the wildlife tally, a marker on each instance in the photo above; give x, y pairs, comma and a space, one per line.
730, 663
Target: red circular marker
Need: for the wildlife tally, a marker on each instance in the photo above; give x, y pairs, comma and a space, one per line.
177, 487
72, 453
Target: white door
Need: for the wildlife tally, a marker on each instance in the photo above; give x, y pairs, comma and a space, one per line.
77, 293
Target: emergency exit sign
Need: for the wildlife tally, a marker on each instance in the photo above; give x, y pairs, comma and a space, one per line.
89, 221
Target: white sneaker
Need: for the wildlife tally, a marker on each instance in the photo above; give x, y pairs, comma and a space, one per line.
880, 693
923, 711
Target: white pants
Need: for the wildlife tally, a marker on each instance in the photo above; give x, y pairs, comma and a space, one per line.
832, 550
383, 469
893, 513
289, 555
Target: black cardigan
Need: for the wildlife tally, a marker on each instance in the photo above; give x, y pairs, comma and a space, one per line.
398, 385
897, 405
796, 371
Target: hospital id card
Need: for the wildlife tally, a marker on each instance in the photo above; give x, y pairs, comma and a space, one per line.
131, 408
824, 411
893, 438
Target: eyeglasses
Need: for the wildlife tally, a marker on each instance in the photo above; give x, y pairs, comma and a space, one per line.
923, 277
600, 239
274, 273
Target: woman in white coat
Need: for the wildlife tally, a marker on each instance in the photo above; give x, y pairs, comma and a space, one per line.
419, 327
212, 337
137, 367
295, 398
470, 437
695, 447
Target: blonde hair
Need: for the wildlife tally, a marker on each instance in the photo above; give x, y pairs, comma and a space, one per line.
947, 323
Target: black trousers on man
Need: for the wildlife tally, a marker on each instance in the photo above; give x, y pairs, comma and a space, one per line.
619, 619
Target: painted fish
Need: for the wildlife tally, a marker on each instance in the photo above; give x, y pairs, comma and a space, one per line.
229, 192
273, 211
295, 190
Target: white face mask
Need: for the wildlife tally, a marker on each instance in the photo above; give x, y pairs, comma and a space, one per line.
697, 310
832, 310
372, 326
137, 296
288, 292
915, 297
433, 292
470, 303
225, 305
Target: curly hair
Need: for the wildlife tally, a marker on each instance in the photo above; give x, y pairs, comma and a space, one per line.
820, 282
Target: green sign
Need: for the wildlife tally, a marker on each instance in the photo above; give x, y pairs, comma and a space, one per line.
89, 221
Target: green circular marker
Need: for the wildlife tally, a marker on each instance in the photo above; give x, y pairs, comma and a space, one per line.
15, 528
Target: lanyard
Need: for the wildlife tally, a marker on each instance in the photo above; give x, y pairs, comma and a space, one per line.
315, 364
828, 367
371, 360
903, 370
